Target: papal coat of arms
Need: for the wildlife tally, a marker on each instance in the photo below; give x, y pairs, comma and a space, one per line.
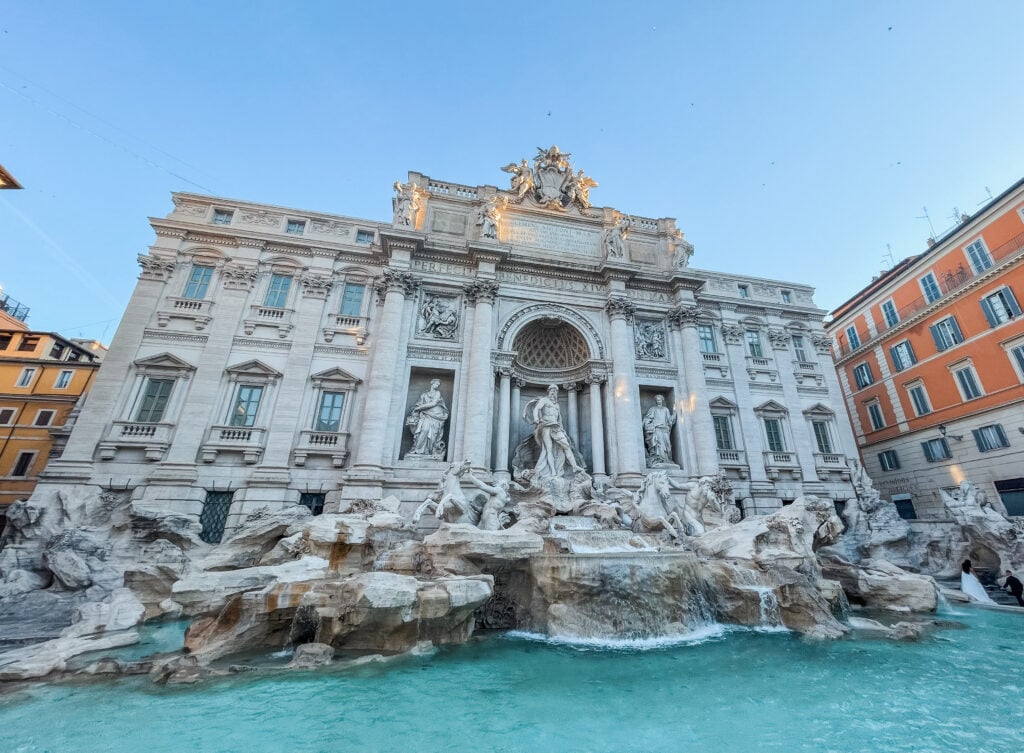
551, 181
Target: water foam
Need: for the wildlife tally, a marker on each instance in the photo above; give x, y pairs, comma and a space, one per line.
693, 637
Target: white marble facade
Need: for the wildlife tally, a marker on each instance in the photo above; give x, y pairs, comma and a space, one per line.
271, 355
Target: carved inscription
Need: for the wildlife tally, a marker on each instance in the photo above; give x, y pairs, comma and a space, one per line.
570, 240
442, 268
552, 283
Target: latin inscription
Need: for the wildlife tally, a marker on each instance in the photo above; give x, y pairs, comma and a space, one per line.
562, 238
551, 283
441, 268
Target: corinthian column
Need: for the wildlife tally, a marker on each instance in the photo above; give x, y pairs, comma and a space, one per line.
626, 398
480, 389
504, 423
574, 420
684, 320
596, 425
392, 287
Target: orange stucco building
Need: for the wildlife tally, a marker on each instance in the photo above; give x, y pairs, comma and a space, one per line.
42, 378
930, 358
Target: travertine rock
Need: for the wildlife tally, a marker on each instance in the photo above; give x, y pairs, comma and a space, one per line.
310, 655
880, 584
254, 538
465, 549
206, 592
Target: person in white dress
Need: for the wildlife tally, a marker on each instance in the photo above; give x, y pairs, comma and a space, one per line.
971, 586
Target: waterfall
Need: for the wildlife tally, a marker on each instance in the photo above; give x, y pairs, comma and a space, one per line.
770, 614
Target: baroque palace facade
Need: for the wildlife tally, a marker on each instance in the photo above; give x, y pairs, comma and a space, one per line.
275, 356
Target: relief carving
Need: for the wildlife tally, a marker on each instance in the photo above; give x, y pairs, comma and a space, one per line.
649, 340
439, 317
551, 182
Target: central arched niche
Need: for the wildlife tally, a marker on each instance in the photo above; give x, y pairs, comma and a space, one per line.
551, 350
550, 345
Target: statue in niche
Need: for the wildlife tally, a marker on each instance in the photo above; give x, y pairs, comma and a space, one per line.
440, 320
426, 422
615, 239
649, 340
522, 177
556, 451
489, 217
658, 423
406, 204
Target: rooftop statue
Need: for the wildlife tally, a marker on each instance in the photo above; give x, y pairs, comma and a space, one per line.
551, 182
406, 204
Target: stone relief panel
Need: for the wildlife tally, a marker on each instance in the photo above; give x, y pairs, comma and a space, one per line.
260, 217
649, 339
438, 316
447, 222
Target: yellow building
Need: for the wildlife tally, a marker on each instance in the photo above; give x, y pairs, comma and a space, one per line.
42, 377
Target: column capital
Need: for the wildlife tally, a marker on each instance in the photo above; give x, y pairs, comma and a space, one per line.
316, 286
684, 316
155, 268
481, 291
619, 307
238, 277
505, 372
391, 279
596, 379
570, 387
733, 333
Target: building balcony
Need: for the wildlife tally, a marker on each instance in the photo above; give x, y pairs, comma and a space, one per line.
247, 440
734, 460
761, 369
269, 316
831, 462
777, 462
154, 439
716, 362
199, 312
332, 444
808, 372
342, 324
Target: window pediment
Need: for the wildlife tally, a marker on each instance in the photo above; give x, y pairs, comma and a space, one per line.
723, 403
254, 370
164, 363
771, 408
819, 410
335, 378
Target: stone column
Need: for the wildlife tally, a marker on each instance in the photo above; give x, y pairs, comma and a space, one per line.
684, 318
477, 416
517, 399
504, 424
392, 287
596, 425
628, 422
574, 412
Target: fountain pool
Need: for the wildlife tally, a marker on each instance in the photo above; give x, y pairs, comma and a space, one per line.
720, 691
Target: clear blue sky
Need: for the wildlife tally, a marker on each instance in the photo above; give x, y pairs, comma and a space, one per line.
789, 140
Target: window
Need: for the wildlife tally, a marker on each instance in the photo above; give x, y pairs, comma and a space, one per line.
744, 291
787, 296
57, 351
723, 433
328, 417
222, 217
889, 460
23, 464
198, 282
154, 400
754, 345
978, 256
277, 293
1000, 306
920, 400
214, 515
862, 375
967, 380
990, 438
773, 433
930, 288
315, 502
1017, 354
875, 414
1011, 492
7, 416
889, 312
25, 379
946, 333
63, 379
706, 335
821, 436
5, 340
44, 418
246, 405
28, 343
352, 299
936, 449
904, 504
853, 337
364, 236
902, 355
800, 348
295, 227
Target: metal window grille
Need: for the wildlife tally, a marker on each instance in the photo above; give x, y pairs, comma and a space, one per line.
315, 502
214, 516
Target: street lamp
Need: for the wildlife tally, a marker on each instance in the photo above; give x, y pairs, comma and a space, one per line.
957, 437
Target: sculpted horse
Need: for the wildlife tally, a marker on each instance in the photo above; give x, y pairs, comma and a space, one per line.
448, 502
652, 508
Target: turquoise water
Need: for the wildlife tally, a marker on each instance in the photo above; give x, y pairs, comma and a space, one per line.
957, 691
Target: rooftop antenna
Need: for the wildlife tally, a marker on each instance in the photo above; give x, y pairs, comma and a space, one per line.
926, 217
988, 198
888, 257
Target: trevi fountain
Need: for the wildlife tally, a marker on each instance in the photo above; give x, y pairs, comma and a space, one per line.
596, 587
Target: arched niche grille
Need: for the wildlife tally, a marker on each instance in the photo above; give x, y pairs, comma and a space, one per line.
550, 345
